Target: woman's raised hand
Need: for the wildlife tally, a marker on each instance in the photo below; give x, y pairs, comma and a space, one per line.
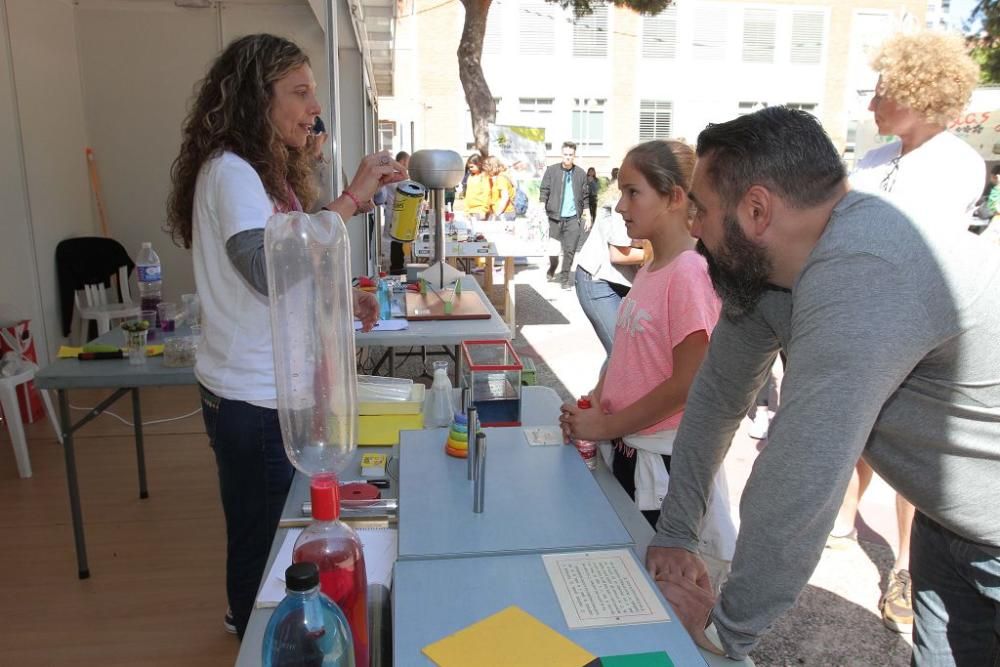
375, 171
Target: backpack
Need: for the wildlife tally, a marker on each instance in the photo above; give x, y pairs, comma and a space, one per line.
520, 201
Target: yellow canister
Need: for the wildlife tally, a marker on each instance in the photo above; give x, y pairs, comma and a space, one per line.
406, 210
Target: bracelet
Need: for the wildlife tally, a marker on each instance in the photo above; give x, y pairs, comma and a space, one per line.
357, 204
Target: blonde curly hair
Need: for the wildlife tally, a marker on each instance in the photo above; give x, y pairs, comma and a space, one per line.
929, 72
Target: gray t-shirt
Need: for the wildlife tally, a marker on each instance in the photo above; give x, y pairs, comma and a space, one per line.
892, 333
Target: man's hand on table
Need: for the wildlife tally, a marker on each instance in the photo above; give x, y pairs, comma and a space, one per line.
365, 308
683, 579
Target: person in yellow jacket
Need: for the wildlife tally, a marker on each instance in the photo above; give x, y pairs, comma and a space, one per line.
501, 189
477, 190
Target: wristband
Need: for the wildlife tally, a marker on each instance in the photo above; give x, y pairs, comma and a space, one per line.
712, 635
357, 203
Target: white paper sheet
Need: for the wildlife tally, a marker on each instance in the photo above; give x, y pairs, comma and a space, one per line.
380, 549
543, 436
603, 588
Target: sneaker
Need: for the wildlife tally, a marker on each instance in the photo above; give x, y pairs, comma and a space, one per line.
229, 622
759, 425
553, 278
842, 542
897, 603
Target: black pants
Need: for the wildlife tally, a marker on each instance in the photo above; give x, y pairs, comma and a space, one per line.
623, 468
397, 261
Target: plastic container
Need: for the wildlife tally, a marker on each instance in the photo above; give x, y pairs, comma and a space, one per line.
384, 295
492, 372
382, 388
336, 550
439, 409
306, 628
587, 448
180, 351
313, 329
149, 275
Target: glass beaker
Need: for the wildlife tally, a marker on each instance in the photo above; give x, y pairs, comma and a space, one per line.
135, 346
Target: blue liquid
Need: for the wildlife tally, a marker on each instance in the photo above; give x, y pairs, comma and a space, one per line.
309, 630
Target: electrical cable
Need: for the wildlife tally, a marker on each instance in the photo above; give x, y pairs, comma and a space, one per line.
128, 423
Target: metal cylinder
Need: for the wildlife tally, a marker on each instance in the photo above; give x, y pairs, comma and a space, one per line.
464, 405
471, 424
479, 492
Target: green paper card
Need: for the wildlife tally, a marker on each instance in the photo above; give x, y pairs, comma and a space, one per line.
655, 659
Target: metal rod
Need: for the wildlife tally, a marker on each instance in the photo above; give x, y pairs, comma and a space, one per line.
465, 401
470, 442
83, 571
140, 452
437, 206
479, 501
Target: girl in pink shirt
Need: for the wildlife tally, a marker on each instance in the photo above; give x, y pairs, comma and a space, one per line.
660, 339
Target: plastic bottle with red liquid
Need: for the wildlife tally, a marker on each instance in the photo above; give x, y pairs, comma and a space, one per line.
336, 550
587, 448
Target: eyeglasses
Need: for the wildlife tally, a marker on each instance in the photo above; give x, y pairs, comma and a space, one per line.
889, 180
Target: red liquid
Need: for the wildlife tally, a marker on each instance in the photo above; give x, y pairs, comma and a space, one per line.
342, 578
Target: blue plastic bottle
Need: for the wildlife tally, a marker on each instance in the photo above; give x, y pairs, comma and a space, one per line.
306, 627
384, 295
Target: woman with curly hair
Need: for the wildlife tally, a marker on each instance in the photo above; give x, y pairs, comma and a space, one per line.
244, 157
925, 80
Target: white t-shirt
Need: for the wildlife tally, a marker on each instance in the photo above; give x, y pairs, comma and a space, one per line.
593, 256
235, 359
943, 178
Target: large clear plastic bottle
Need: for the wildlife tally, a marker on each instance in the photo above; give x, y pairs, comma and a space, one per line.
384, 294
308, 260
149, 275
440, 406
306, 628
337, 551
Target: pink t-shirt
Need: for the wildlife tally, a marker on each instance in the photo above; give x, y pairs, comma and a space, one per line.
662, 309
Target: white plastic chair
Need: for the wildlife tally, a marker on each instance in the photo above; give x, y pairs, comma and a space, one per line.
97, 305
12, 414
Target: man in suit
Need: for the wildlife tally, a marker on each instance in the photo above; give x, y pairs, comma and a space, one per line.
565, 195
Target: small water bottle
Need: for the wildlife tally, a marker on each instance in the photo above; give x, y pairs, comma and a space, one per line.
384, 294
440, 408
149, 276
306, 628
587, 448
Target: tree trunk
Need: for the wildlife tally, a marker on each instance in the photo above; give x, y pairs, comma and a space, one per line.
470, 71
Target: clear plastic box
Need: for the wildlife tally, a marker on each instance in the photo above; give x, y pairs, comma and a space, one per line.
179, 351
492, 371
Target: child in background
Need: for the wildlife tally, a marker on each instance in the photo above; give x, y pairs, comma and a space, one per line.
501, 189
477, 190
661, 337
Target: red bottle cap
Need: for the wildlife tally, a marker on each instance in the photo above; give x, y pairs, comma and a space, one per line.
382, 274
583, 403
325, 494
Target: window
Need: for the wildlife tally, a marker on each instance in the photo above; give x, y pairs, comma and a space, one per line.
590, 34
659, 34
537, 112
588, 123
710, 32
807, 37
386, 134
745, 108
537, 23
493, 39
803, 106
655, 118
758, 35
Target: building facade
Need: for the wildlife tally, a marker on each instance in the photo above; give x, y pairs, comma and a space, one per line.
615, 78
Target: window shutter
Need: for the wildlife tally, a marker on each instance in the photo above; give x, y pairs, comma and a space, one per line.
537, 28
655, 118
590, 34
492, 40
758, 35
659, 34
710, 32
807, 37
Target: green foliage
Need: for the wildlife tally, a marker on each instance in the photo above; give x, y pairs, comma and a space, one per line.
586, 7
986, 44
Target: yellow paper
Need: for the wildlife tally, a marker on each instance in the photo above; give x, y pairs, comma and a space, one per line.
509, 638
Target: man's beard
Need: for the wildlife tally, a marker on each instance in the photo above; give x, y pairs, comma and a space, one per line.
739, 270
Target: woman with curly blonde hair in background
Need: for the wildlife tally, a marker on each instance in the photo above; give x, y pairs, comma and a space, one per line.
925, 80
245, 155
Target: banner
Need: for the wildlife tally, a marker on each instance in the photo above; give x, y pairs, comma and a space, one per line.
522, 149
980, 129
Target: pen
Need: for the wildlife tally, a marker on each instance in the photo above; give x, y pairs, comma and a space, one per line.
376, 482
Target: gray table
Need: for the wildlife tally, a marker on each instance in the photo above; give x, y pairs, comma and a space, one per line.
447, 333
540, 408
125, 378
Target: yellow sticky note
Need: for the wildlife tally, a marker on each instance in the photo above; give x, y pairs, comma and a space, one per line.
69, 352
508, 638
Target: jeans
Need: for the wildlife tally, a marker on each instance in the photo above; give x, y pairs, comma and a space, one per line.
956, 599
254, 478
600, 300
569, 232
